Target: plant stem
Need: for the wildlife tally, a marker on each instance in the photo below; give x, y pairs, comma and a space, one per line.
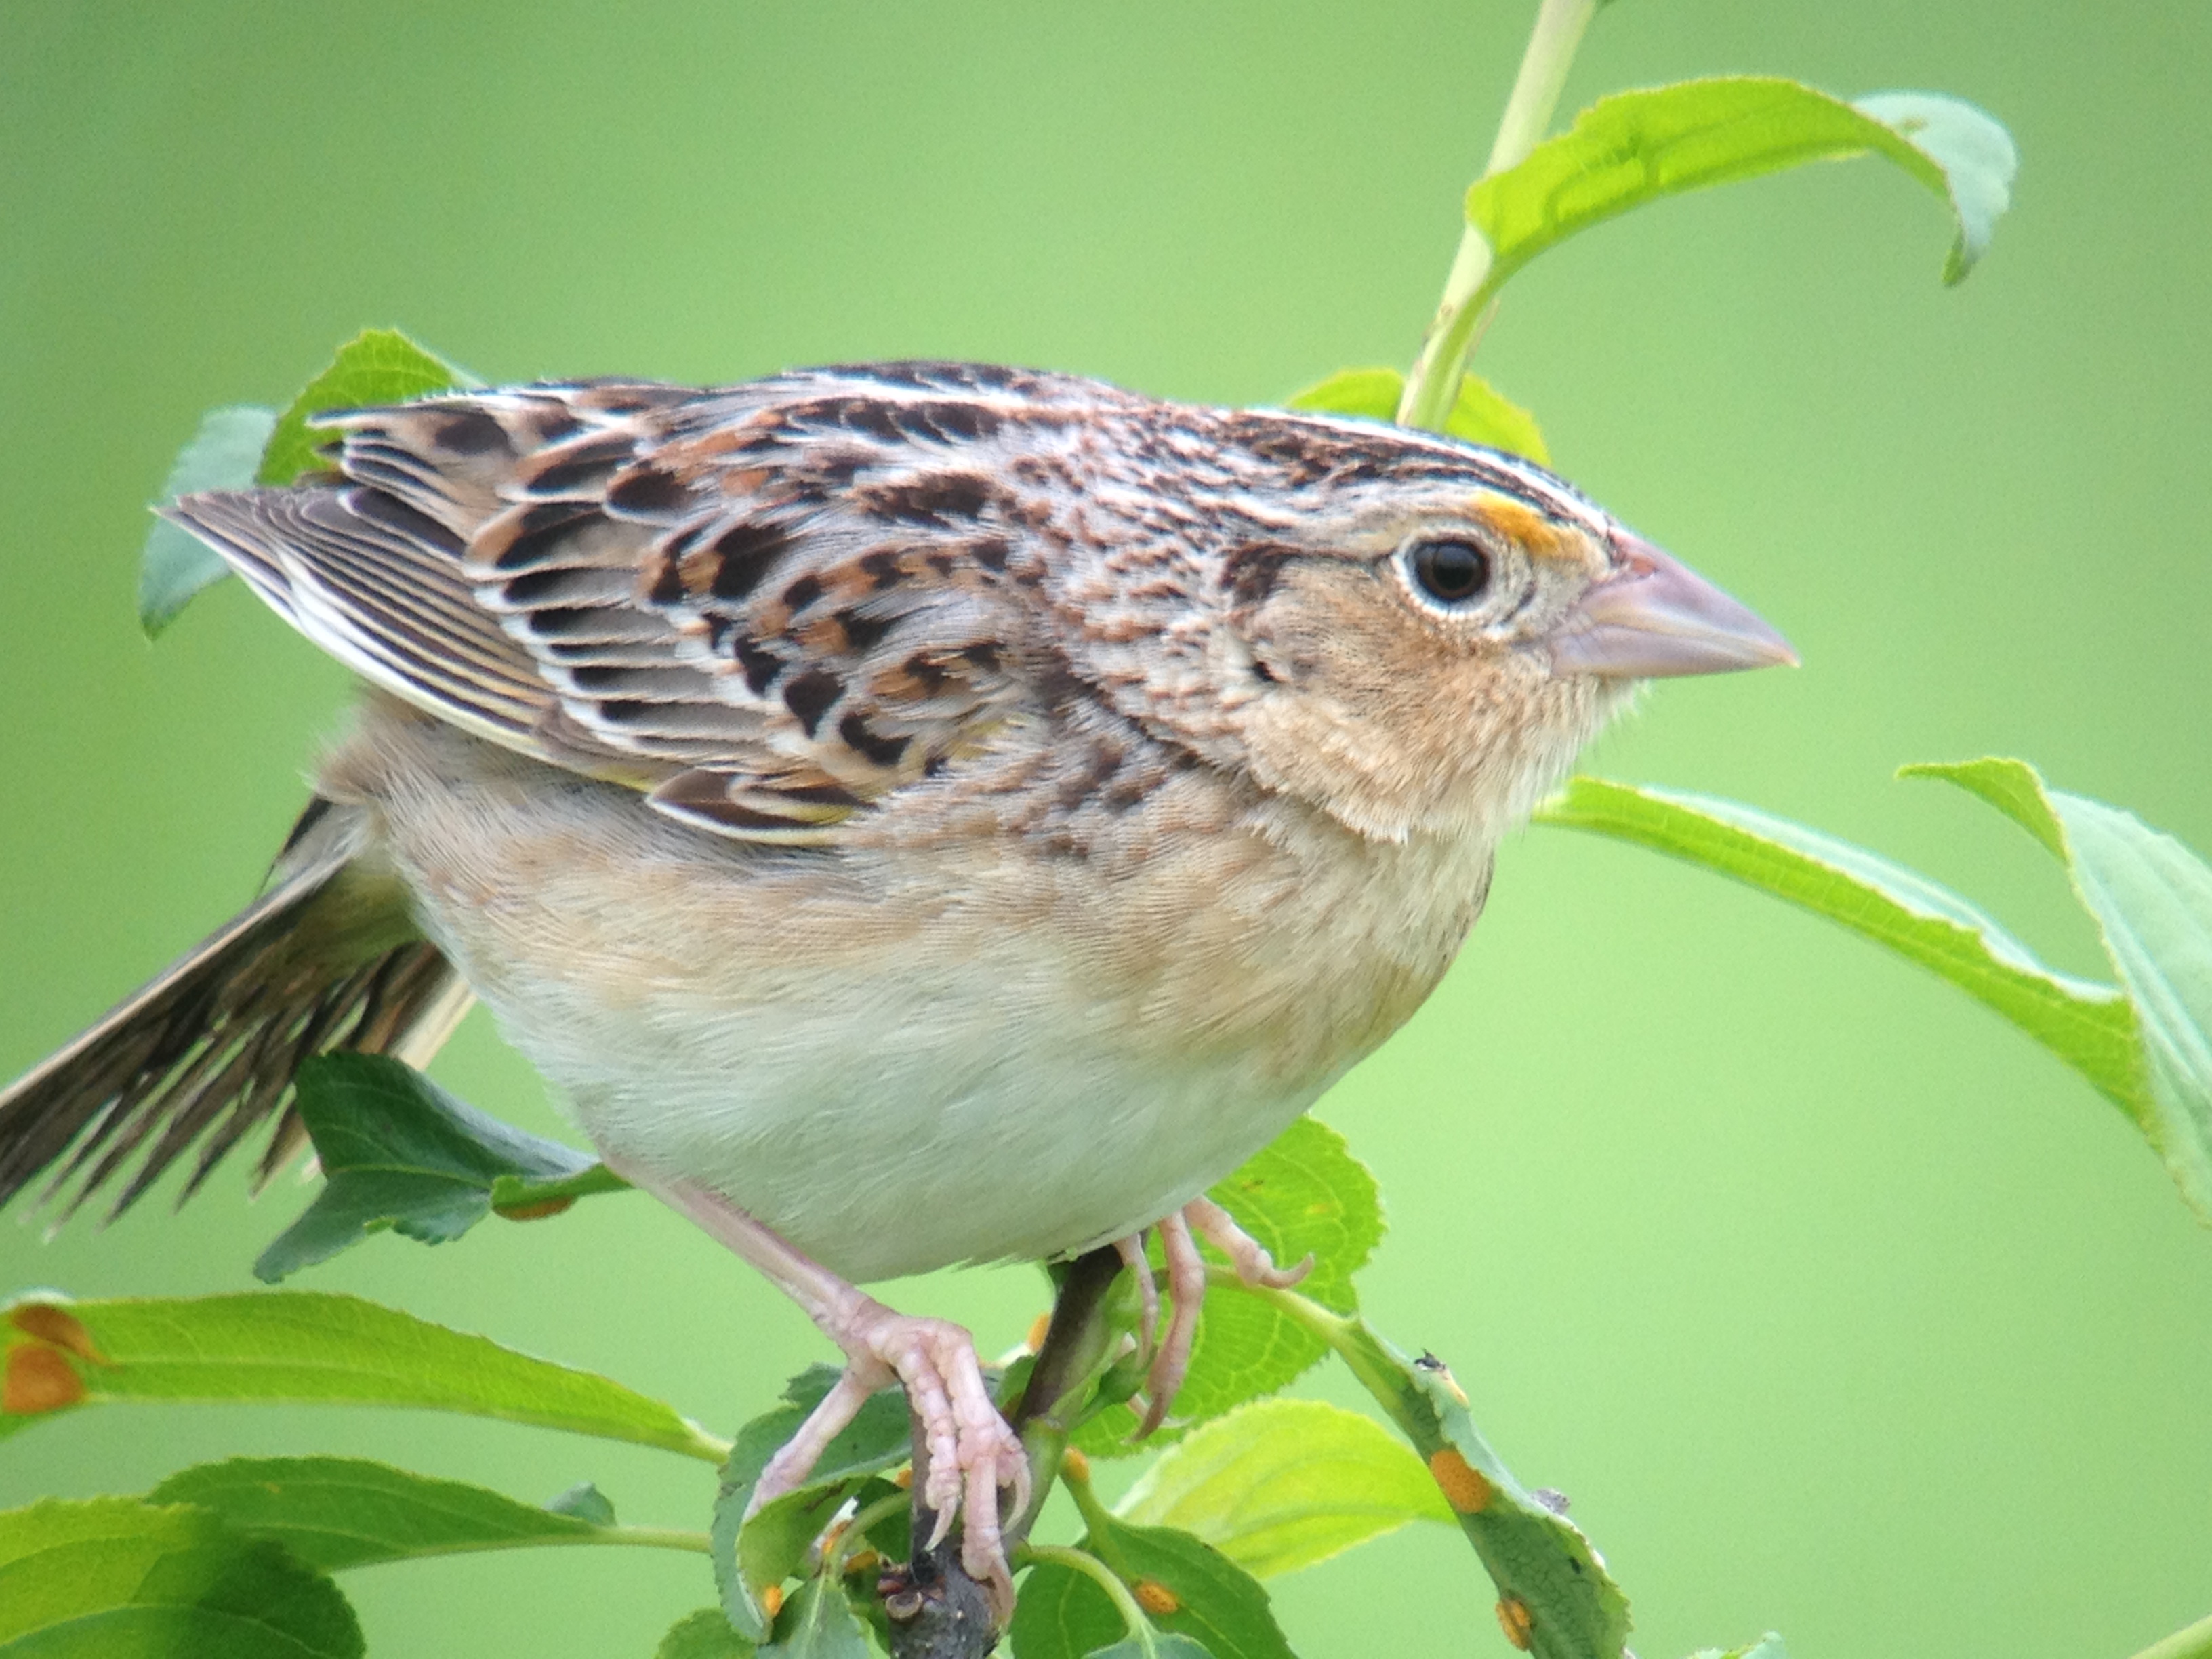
1104, 1576
1433, 386
2195, 1642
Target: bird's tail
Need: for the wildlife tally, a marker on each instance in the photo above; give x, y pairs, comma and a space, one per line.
326, 958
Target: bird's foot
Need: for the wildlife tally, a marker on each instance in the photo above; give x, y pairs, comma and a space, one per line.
1206, 1220
971, 1452
968, 1450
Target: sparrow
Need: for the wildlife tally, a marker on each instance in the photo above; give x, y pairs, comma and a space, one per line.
916, 814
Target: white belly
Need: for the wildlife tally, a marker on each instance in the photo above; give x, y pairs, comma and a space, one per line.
935, 1119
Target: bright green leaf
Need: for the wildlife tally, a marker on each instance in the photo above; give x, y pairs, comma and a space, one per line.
339, 1512
1480, 416
377, 366
750, 1555
302, 1347
399, 1152
1636, 147
2088, 1026
114, 1578
1062, 1615
1369, 393
703, 1635
1279, 1485
820, 1623
2152, 900
1303, 1194
176, 564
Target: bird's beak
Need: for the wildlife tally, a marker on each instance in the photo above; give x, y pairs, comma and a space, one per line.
1655, 616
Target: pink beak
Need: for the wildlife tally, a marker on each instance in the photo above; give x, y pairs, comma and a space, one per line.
1654, 616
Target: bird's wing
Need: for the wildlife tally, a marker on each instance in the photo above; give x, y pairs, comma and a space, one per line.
768, 607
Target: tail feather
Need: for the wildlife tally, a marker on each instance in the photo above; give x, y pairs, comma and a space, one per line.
326, 958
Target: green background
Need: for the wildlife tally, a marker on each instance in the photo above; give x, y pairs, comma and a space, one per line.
1835, 1305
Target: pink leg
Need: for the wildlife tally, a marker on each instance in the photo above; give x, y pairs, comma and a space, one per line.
1246, 1254
1132, 1251
972, 1452
1187, 1287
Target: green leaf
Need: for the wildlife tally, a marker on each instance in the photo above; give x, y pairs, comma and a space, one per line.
703, 1635
2088, 1026
1281, 1484
1480, 414
176, 565
1166, 1645
399, 1152
1062, 1615
820, 1623
339, 1512
1636, 147
113, 1578
377, 366
1369, 393
2152, 900
301, 1347
750, 1555
1304, 1194
1552, 1584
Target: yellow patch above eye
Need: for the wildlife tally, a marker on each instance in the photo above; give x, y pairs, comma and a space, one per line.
1522, 525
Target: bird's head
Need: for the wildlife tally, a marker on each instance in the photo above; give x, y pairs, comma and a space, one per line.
1418, 635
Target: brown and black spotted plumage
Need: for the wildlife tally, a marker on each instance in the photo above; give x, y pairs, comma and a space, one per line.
917, 812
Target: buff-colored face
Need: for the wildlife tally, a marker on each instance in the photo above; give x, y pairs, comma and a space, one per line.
1435, 663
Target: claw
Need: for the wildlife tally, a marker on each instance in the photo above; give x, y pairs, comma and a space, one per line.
1187, 1289
972, 1454
1132, 1252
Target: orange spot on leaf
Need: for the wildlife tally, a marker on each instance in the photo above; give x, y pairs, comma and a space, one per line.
39, 1379
1516, 1621
1076, 1466
771, 1600
1154, 1597
57, 1325
1035, 1339
1464, 1487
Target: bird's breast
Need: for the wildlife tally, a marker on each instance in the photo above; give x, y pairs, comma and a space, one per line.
905, 1055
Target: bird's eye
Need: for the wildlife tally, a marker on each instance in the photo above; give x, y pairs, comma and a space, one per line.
1450, 573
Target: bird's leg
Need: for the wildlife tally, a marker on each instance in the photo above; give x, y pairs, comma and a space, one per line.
1186, 1288
1132, 1252
972, 1452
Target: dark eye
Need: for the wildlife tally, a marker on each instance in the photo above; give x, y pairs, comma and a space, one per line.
1451, 572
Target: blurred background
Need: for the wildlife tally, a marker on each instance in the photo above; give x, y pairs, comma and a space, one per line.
1836, 1306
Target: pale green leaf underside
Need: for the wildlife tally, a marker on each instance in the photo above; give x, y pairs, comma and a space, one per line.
339, 1512
2088, 1026
303, 1347
2152, 901
223, 455
114, 1578
1281, 1484
1481, 414
1636, 147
